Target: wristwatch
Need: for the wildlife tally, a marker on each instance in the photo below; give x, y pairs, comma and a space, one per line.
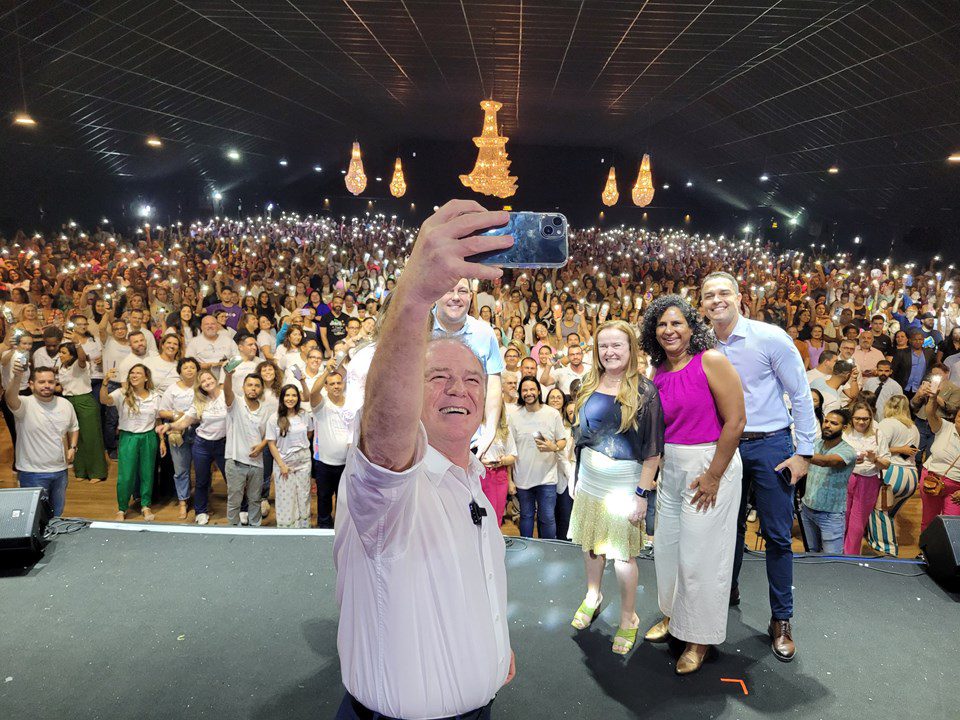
642, 492
805, 457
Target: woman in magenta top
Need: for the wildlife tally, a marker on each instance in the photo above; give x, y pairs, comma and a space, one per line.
698, 494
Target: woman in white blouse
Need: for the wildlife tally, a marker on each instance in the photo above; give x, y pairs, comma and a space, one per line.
288, 436
864, 485
208, 412
174, 403
897, 443
138, 407
74, 376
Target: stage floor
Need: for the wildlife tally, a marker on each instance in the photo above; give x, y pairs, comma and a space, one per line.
121, 624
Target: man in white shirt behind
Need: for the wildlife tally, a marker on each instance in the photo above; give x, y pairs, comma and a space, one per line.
47, 433
575, 370
824, 368
333, 427
420, 563
883, 385
210, 347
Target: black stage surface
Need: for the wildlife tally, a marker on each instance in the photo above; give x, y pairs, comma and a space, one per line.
119, 624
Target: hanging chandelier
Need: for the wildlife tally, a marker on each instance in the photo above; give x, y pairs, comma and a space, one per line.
355, 180
491, 173
610, 193
398, 186
643, 188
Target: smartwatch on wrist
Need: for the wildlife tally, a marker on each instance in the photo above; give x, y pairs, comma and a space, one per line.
641, 492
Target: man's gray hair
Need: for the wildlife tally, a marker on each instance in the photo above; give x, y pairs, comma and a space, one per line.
444, 336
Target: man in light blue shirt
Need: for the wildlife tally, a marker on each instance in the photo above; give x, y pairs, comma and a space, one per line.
769, 365
450, 315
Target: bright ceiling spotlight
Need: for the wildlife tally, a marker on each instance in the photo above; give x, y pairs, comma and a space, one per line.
764, 177
955, 158
217, 195
833, 170
233, 154
24, 119
283, 162
154, 141
689, 183
317, 168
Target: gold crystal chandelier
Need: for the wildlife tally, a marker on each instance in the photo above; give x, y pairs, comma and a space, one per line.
355, 180
610, 193
643, 188
491, 174
398, 186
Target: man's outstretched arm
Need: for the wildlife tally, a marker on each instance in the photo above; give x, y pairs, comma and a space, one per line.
394, 390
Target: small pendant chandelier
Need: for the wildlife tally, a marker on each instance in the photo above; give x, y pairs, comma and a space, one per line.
610, 193
355, 180
643, 189
398, 186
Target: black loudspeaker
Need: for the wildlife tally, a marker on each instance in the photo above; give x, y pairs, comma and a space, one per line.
940, 544
24, 513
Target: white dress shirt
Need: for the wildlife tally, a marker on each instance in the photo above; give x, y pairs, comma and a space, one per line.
422, 590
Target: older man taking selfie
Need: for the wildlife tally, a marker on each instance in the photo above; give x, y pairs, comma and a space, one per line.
421, 580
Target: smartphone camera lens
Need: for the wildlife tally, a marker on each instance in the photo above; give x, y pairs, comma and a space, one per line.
548, 230
558, 221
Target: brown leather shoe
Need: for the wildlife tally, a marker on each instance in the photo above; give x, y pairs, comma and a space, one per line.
783, 646
691, 660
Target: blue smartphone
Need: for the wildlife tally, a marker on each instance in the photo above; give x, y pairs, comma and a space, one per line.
540, 240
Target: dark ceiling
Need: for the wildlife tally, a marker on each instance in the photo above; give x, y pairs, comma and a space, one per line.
713, 89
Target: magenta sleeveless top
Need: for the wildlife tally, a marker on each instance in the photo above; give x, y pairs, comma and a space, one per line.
689, 412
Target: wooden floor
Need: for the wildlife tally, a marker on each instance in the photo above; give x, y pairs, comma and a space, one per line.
98, 501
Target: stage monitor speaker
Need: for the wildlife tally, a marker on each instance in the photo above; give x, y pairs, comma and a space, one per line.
940, 544
24, 513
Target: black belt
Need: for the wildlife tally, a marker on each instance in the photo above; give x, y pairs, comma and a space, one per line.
365, 713
751, 436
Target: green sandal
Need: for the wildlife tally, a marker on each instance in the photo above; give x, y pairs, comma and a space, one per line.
629, 638
588, 612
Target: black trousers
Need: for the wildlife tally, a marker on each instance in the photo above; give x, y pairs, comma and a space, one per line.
351, 709
328, 482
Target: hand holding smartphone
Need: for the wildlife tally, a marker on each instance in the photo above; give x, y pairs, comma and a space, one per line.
540, 240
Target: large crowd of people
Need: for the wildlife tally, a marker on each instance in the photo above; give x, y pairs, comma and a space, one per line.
243, 345
661, 388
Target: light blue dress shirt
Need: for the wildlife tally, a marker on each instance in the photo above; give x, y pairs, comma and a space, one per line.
769, 365
479, 337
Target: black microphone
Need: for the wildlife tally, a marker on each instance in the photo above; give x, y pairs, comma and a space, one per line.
477, 513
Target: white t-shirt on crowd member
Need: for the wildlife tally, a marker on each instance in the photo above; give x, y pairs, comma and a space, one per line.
94, 350
213, 418
565, 376
333, 427
40, 430
177, 399
143, 418
42, 358
212, 351
163, 373
75, 380
124, 366
534, 467
296, 437
113, 354
245, 428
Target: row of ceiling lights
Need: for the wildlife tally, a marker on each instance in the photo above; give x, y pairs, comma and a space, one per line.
26, 120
